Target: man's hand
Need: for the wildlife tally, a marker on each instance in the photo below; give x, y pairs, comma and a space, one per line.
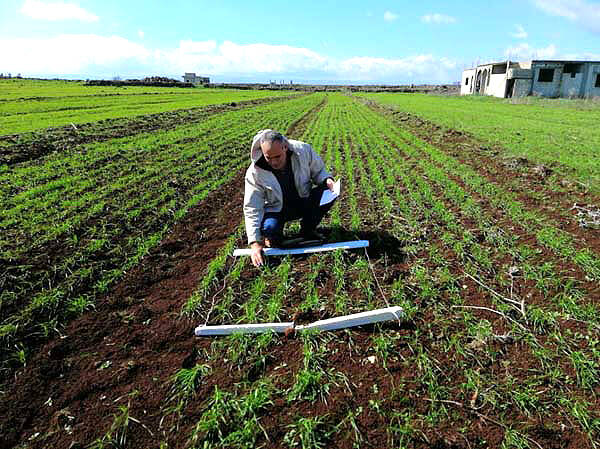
256, 254
330, 184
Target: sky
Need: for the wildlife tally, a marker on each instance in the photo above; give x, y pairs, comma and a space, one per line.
324, 41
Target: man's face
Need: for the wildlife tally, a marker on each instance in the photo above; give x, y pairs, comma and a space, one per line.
275, 154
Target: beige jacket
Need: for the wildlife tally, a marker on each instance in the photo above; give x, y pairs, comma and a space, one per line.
262, 190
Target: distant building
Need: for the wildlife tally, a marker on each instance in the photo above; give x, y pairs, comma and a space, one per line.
544, 78
196, 80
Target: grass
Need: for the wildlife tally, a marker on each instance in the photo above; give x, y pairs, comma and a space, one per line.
103, 206
27, 105
486, 339
548, 131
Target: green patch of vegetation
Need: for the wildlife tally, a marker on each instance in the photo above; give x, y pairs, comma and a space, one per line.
545, 131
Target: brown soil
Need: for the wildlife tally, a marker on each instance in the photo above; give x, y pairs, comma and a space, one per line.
137, 328
297, 128
69, 392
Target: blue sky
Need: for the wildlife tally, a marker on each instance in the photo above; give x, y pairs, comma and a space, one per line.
393, 42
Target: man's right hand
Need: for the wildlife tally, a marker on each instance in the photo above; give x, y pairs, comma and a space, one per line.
256, 254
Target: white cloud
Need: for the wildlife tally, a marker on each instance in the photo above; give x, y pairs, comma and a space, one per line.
526, 52
55, 11
197, 46
438, 18
520, 33
585, 56
70, 54
141, 34
233, 58
421, 67
99, 56
389, 16
579, 11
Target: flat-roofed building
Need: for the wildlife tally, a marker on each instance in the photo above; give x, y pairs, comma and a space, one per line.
544, 78
191, 78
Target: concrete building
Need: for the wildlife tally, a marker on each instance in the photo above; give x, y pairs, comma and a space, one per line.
190, 77
544, 78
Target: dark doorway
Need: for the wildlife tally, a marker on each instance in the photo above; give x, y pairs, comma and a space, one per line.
510, 88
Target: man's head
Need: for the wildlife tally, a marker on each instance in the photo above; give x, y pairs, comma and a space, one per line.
274, 148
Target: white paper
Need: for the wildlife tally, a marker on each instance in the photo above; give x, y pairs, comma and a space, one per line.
329, 196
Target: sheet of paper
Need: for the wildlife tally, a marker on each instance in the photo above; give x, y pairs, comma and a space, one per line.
328, 196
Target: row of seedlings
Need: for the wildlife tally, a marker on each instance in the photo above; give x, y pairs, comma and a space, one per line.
94, 245
483, 262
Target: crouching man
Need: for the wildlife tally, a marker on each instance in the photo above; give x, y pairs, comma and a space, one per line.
284, 182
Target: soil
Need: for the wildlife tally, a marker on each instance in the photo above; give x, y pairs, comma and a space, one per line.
126, 351
136, 328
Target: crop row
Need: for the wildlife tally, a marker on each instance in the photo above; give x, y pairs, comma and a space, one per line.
22, 115
73, 222
483, 262
546, 131
490, 339
31, 145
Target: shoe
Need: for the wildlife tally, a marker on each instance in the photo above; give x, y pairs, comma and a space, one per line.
292, 242
312, 235
312, 239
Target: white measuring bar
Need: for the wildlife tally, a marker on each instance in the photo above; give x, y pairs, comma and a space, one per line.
308, 250
228, 329
356, 319
342, 322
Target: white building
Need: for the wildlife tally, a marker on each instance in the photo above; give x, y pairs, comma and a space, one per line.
545, 78
191, 77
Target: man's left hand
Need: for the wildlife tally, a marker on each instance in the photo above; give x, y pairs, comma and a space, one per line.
330, 184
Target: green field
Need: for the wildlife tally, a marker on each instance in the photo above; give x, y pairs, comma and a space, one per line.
112, 251
549, 131
27, 105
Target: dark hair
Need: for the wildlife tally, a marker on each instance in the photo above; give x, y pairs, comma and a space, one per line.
272, 136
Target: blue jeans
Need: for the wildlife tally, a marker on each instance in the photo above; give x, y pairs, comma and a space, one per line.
309, 212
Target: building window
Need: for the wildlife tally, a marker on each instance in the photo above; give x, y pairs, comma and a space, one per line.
466, 81
573, 69
546, 75
597, 80
498, 69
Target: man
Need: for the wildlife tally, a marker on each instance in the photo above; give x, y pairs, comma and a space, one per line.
279, 188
